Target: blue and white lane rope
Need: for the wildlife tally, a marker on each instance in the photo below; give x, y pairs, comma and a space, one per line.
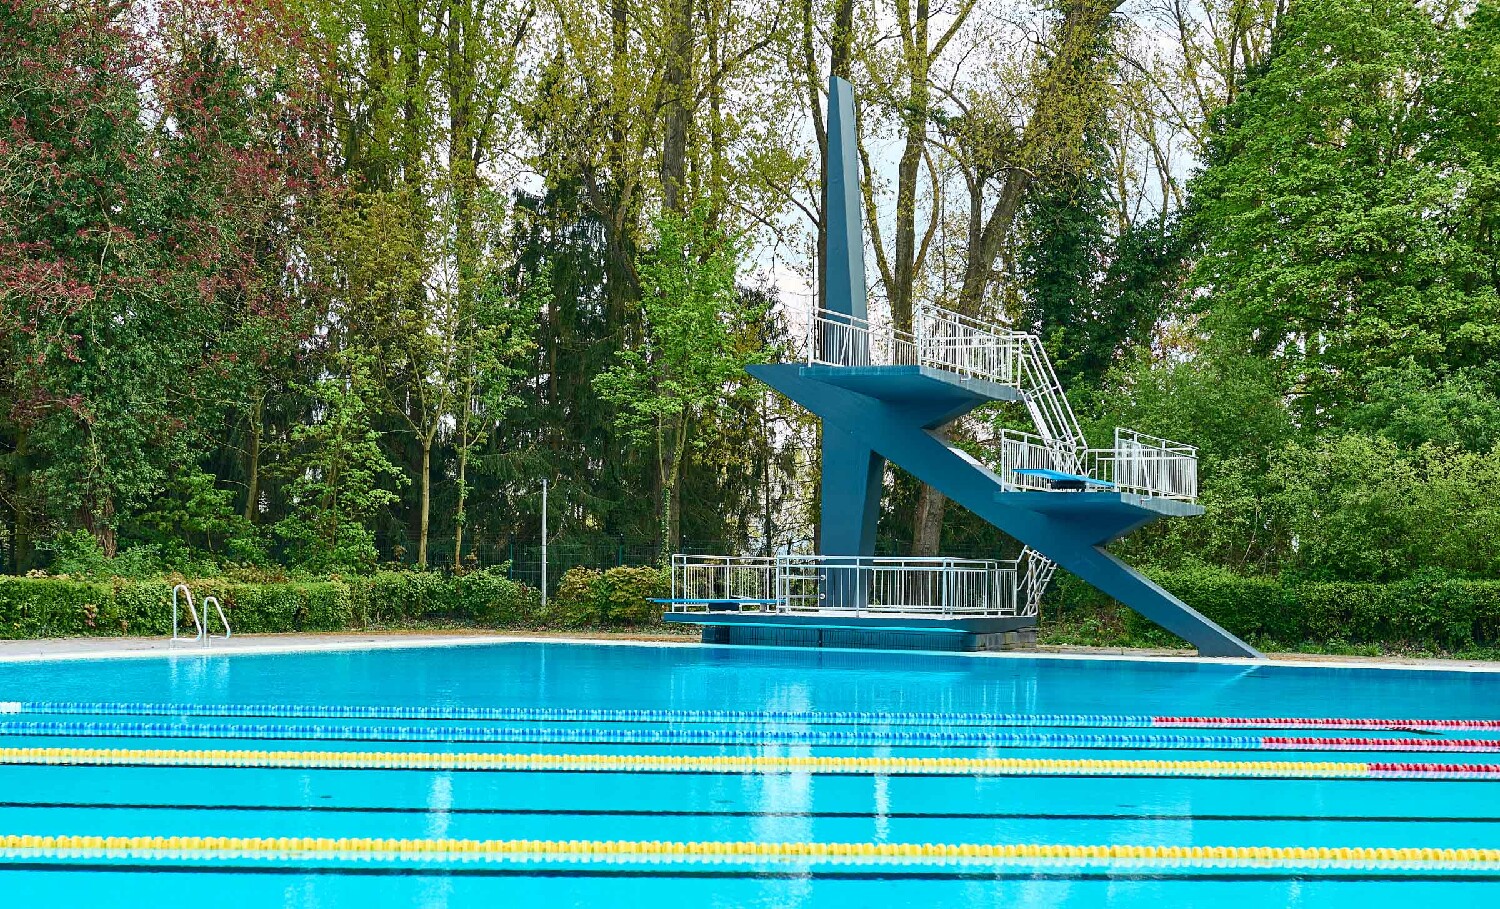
732, 736
793, 717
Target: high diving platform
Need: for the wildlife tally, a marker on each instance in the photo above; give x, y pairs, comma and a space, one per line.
883, 393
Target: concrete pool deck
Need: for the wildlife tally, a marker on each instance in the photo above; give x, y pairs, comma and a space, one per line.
63, 649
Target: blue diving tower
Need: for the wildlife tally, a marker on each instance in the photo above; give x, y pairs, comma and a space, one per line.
881, 394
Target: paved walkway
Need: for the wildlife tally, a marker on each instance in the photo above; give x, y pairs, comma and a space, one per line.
97, 648
106, 648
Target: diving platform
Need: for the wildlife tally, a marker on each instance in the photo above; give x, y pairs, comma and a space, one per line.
883, 392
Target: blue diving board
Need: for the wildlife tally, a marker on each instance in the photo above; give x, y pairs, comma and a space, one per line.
712, 602
1064, 480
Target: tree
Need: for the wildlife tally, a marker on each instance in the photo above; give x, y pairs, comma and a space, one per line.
1336, 236
335, 473
695, 344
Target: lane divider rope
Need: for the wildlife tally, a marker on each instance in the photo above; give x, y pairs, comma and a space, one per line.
670, 763
836, 717
302, 849
731, 736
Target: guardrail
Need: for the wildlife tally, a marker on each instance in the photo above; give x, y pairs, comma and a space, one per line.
1148, 466
1016, 450
701, 579
875, 584
952, 342
941, 339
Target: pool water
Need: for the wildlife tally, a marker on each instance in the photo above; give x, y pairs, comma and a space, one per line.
688, 763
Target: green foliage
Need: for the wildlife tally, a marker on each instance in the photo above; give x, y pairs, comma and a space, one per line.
617, 597
628, 593
334, 479
697, 341
1426, 612
1412, 406
580, 598
58, 607
1335, 238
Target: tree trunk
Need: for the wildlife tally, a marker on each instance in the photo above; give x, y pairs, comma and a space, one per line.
678, 89
459, 516
426, 502
252, 460
22, 546
98, 519
908, 170
927, 523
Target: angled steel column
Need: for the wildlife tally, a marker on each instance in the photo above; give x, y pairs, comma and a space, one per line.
844, 268
852, 472
1068, 528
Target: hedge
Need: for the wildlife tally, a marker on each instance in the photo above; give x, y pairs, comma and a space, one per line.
618, 597
1428, 611
63, 607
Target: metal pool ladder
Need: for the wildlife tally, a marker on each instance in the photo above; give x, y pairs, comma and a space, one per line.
200, 621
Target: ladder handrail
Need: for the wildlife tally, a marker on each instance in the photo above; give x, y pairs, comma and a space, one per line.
200, 620
192, 611
223, 620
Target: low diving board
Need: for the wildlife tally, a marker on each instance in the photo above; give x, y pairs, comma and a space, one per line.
714, 604
1065, 481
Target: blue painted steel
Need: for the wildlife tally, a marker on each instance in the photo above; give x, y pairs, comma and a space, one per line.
845, 263
898, 431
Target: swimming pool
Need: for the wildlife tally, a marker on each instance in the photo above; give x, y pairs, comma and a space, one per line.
622, 775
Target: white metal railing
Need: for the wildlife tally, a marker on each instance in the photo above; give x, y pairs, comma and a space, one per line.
950, 341
1046, 401
700, 580
813, 583
1033, 573
940, 586
957, 343
1016, 450
1147, 466
943, 339
836, 339
200, 620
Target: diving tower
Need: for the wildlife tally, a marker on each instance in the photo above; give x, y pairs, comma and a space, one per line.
882, 394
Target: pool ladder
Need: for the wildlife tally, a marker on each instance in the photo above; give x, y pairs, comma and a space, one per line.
200, 621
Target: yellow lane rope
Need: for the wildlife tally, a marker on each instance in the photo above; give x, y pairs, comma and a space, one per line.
667, 763
303, 848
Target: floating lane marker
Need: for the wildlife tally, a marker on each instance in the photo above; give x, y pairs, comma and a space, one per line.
670, 763
847, 717
730, 736
302, 850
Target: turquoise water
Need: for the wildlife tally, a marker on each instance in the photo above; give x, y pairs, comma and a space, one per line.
736, 806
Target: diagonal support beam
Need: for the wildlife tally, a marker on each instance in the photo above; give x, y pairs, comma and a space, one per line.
1074, 540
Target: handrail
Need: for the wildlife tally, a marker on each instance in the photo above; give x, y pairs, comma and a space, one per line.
200, 621
952, 342
192, 611
798, 583
223, 620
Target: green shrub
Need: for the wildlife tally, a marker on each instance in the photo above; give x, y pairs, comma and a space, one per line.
1428, 611
619, 597
580, 599
63, 607
628, 593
